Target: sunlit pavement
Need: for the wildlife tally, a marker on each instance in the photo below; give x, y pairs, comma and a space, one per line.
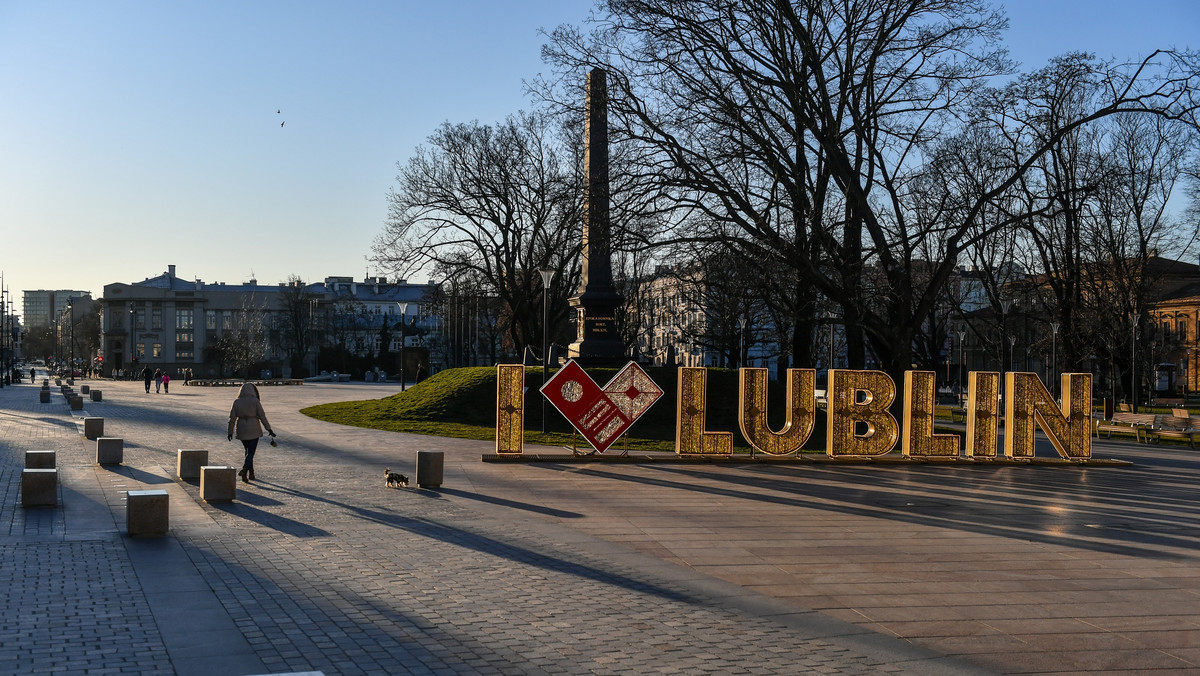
579, 568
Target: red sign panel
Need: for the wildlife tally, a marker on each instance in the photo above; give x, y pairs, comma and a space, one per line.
601, 415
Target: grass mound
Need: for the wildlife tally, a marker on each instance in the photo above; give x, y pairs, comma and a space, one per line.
461, 403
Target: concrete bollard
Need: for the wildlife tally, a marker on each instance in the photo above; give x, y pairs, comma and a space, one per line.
39, 488
93, 427
97, 395
429, 468
188, 463
147, 513
44, 397
84, 389
218, 483
110, 450
41, 460
76, 403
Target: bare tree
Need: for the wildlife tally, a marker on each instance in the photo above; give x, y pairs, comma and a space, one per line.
498, 202
804, 129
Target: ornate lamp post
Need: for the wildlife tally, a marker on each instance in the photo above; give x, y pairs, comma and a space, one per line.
547, 275
403, 314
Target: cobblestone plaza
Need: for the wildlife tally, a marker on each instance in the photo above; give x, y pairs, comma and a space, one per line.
579, 568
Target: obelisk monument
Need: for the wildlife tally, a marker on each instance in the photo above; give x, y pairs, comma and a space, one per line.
596, 303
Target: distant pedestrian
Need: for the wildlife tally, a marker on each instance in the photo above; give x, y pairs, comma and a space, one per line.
187, 376
246, 421
158, 375
166, 383
32, 375
147, 376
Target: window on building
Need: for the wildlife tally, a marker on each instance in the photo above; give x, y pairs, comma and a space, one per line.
140, 318
184, 318
184, 353
157, 351
1181, 326
156, 319
139, 351
185, 337
227, 320
210, 320
1166, 330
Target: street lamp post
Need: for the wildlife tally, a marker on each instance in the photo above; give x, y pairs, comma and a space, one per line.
1133, 364
1054, 327
962, 363
547, 275
403, 312
71, 321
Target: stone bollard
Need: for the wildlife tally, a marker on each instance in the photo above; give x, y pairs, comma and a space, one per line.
41, 460
110, 450
39, 488
97, 395
93, 427
76, 403
84, 389
429, 468
218, 483
44, 397
147, 513
189, 461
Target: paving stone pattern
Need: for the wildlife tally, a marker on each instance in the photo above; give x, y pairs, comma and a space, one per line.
318, 566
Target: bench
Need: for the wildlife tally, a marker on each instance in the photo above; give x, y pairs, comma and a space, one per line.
93, 427
189, 461
1173, 427
110, 450
147, 513
218, 483
1126, 423
39, 488
958, 415
41, 460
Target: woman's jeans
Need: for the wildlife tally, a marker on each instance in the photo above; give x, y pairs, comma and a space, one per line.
251, 445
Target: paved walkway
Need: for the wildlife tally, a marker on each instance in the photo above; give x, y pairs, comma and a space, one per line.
544, 568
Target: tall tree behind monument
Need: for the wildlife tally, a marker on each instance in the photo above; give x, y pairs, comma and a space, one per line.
597, 341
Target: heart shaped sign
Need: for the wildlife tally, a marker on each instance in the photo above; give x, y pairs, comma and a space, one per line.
601, 415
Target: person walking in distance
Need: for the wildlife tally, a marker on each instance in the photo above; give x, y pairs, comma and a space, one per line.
158, 374
147, 376
166, 383
246, 421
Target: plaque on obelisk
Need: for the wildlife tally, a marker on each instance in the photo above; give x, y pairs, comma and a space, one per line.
597, 342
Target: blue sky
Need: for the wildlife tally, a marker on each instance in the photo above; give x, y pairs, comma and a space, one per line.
136, 135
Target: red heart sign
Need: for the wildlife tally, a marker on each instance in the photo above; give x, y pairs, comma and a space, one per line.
601, 415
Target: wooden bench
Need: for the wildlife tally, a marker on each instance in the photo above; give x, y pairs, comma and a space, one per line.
1126, 423
1173, 427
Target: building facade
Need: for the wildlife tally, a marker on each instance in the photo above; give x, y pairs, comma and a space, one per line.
42, 308
176, 324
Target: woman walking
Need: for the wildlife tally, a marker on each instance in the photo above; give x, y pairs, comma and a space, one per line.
246, 421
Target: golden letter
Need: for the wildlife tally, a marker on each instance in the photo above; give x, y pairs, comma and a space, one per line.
845, 412
918, 438
1068, 428
800, 415
983, 411
510, 408
690, 437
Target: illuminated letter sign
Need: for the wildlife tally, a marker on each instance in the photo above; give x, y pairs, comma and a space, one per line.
601, 415
859, 423
860, 398
801, 411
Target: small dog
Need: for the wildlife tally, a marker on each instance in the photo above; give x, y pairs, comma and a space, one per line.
395, 479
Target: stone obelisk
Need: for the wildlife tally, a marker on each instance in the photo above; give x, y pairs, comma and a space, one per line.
596, 303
